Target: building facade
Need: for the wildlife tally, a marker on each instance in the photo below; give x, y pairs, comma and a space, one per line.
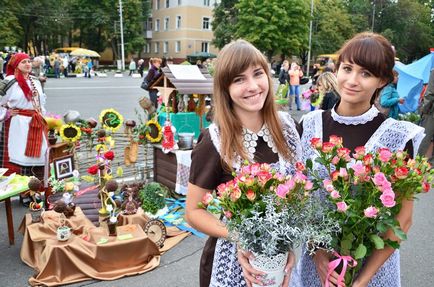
177, 28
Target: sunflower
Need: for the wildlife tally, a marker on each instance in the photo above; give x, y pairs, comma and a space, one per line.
70, 133
98, 147
111, 120
154, 132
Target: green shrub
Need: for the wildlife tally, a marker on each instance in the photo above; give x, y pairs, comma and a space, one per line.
152, 196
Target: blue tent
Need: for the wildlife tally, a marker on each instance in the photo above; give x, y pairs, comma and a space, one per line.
411, 80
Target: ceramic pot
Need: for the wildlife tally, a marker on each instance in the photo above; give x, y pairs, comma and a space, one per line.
36, 214
185, 140
63, 233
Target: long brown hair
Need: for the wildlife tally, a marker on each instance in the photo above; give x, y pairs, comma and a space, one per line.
233, 60
373, 52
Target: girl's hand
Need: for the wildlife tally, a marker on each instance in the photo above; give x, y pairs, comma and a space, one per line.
321, 259
251, 275
288, 269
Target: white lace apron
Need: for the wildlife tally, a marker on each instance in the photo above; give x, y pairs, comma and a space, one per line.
226, 271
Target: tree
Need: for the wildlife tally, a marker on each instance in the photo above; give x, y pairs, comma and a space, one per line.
274, 26
408, 25
223, 24
332, 26
11, 31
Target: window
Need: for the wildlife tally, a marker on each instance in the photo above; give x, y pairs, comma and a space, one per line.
166, 23
166, 47
156, 47
148, 48
205, 23
157, 4
167, 3
205, 47
206, 2
178, 22
148, 24
178, 46
157, 25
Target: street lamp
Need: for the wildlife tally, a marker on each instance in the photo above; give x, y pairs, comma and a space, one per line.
310, 38
122, 36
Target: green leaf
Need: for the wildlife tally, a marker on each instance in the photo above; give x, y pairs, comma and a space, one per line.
377, 240
392, 244
381, 227
309, 164
346, 246
399, 233
360, 251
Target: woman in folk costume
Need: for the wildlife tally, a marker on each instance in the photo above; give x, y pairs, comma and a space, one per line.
365, 66
23, 141
246, 127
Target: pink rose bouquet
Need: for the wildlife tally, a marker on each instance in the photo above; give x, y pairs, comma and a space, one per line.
365, 193
264, 208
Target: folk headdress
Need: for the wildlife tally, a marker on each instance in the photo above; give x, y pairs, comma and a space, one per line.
12, 69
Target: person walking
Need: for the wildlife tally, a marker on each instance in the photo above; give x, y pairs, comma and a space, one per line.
89, 68
365, 66
56, 66
141, 64
132, 67
427, 111
2, 61
245, 116
295, 74
153, 74
23, 137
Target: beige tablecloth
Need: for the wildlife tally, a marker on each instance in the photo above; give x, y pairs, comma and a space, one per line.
83, 257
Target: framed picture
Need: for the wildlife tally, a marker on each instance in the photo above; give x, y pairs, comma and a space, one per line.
63, 167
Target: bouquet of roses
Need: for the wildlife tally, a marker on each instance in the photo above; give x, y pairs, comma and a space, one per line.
365, 193
266, 211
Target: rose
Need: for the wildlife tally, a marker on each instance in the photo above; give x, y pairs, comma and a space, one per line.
235, 194
228, 214
343, 172
401, 172
316, 143
327, 147
344, 153
380, 179
385, 154
282, 190
342, 206
426, 186
371, 212
299, 177
300, 166
335, 160
335, 175
360, 152
308, 185
335, 194
93, 169
110, 155
359, 169
251, 195
207, 198
388, 199
368, 159
264, 176
335, 140
256, 168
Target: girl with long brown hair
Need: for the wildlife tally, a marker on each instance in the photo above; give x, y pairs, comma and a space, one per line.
246, 127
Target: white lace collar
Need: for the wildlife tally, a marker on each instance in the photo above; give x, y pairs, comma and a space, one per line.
250, 140
356, 120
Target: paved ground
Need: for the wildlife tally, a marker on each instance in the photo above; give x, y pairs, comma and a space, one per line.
179, 266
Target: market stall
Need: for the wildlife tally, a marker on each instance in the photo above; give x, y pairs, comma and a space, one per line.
184, 90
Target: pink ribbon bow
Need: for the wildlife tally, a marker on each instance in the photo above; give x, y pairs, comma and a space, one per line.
346, 261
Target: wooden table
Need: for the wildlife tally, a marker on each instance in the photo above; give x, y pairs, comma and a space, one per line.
17, 185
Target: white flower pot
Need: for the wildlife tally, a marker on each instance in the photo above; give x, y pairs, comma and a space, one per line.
273, 267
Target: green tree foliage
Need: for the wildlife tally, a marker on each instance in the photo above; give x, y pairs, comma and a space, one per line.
332, 26
408, 25
223, 24
43, 25
274, 26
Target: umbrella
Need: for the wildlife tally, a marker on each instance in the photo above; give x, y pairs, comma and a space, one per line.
202, 55
84, 53
411, 80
